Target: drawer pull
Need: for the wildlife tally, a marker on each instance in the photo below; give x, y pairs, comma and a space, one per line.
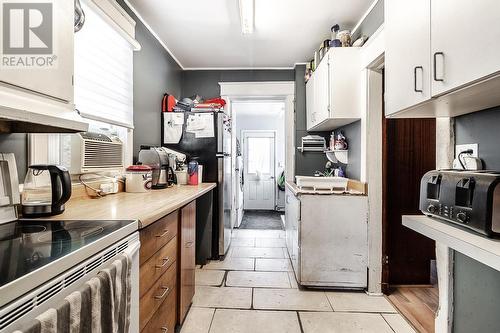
189, 244
165, 262
165, 292
165, 232
164, 329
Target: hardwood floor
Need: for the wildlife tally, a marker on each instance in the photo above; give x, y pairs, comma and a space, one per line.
418, 304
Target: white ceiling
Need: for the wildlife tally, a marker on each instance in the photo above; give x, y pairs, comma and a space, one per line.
202, 34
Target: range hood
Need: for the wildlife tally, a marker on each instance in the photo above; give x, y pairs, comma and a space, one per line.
23, 113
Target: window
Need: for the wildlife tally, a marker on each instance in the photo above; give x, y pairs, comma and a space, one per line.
103, 86
259, 155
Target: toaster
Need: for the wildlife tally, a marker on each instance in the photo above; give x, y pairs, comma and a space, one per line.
467, 198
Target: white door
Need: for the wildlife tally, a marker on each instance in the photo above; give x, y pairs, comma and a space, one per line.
407, 56
310, 102
259, 170
321, 92
464, 39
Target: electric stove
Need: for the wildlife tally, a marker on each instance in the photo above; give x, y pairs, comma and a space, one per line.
35, 251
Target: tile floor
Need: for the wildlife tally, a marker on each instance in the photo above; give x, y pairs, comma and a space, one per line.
254, 290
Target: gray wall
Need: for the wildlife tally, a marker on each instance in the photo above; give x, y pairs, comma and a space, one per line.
477, 287
155, 73
16, 143
308, 162
352, 133
206, 83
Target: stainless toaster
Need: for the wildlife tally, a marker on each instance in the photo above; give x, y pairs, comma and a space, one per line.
468, 198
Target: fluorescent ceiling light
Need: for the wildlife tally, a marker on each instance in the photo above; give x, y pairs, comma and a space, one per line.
247, 16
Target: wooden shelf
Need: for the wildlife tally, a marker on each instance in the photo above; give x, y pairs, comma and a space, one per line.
482, 249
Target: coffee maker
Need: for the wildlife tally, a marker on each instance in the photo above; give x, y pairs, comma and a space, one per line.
157, 158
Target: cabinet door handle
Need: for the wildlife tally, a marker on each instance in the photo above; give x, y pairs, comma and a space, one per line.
165, 292
415, 78
165, 232
164, 329
435, 66
189, 244
165, 262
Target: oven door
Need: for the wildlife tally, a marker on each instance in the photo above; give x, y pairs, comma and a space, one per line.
20, 312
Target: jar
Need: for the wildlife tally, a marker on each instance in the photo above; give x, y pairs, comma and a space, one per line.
193, 172
138, 178
345, 38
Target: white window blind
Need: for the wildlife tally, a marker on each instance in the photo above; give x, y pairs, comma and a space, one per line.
103, 72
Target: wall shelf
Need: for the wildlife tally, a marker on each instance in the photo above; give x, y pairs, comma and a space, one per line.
335, 156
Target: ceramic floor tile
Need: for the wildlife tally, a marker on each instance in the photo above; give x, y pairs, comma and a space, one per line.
198, 320
273, 265
398, 323
270, 242
222, 297
335, 322
293, 280
243, 242
232, 264
258, 279
258, 252
290, 299
359, 302
249, 321
207, 277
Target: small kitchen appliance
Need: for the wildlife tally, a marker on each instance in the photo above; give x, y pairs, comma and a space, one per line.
138, 179
46, 190
158, 159
469, 199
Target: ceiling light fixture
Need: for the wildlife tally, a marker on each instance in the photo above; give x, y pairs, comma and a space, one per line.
247, 16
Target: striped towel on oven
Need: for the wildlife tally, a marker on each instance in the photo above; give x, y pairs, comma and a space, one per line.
101, 305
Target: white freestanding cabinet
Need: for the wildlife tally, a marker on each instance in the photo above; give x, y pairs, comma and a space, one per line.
333, 94
464, 40
326, 237
407, 59
438, 63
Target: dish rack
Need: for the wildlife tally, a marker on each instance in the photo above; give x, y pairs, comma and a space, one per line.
322, 183
314, 143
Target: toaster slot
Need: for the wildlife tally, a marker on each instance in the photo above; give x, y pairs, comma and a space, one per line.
433, 187
464, 192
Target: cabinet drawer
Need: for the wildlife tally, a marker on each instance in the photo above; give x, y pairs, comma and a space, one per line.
157, 235
155, 296
157, 265
163, 321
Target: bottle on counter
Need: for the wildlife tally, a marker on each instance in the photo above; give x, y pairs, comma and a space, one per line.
193, 172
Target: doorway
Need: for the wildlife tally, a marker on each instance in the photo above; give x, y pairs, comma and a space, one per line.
408, 272
260, 131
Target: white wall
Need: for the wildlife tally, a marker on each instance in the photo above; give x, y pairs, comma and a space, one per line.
264, 116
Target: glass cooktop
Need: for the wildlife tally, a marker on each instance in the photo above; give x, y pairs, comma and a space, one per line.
27, 245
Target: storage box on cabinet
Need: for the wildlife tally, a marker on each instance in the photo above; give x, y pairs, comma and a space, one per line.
334, 91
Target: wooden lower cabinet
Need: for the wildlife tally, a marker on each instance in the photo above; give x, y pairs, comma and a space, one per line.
187, 251
167, 270
163, 321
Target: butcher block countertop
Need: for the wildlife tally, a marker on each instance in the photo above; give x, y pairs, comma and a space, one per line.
146, 207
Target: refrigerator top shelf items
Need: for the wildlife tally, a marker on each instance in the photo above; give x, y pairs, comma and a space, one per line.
313, 143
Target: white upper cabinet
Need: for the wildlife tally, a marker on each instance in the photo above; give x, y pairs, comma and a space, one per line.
408, 65
464, 42
442, 57
333, 93
51, 74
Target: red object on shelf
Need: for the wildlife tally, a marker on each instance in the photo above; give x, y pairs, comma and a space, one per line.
168, 102
217, 100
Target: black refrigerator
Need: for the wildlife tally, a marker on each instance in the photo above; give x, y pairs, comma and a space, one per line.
211, 147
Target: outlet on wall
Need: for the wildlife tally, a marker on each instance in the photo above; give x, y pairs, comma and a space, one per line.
461, 148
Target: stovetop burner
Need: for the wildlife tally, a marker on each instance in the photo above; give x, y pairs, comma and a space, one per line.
27, 245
